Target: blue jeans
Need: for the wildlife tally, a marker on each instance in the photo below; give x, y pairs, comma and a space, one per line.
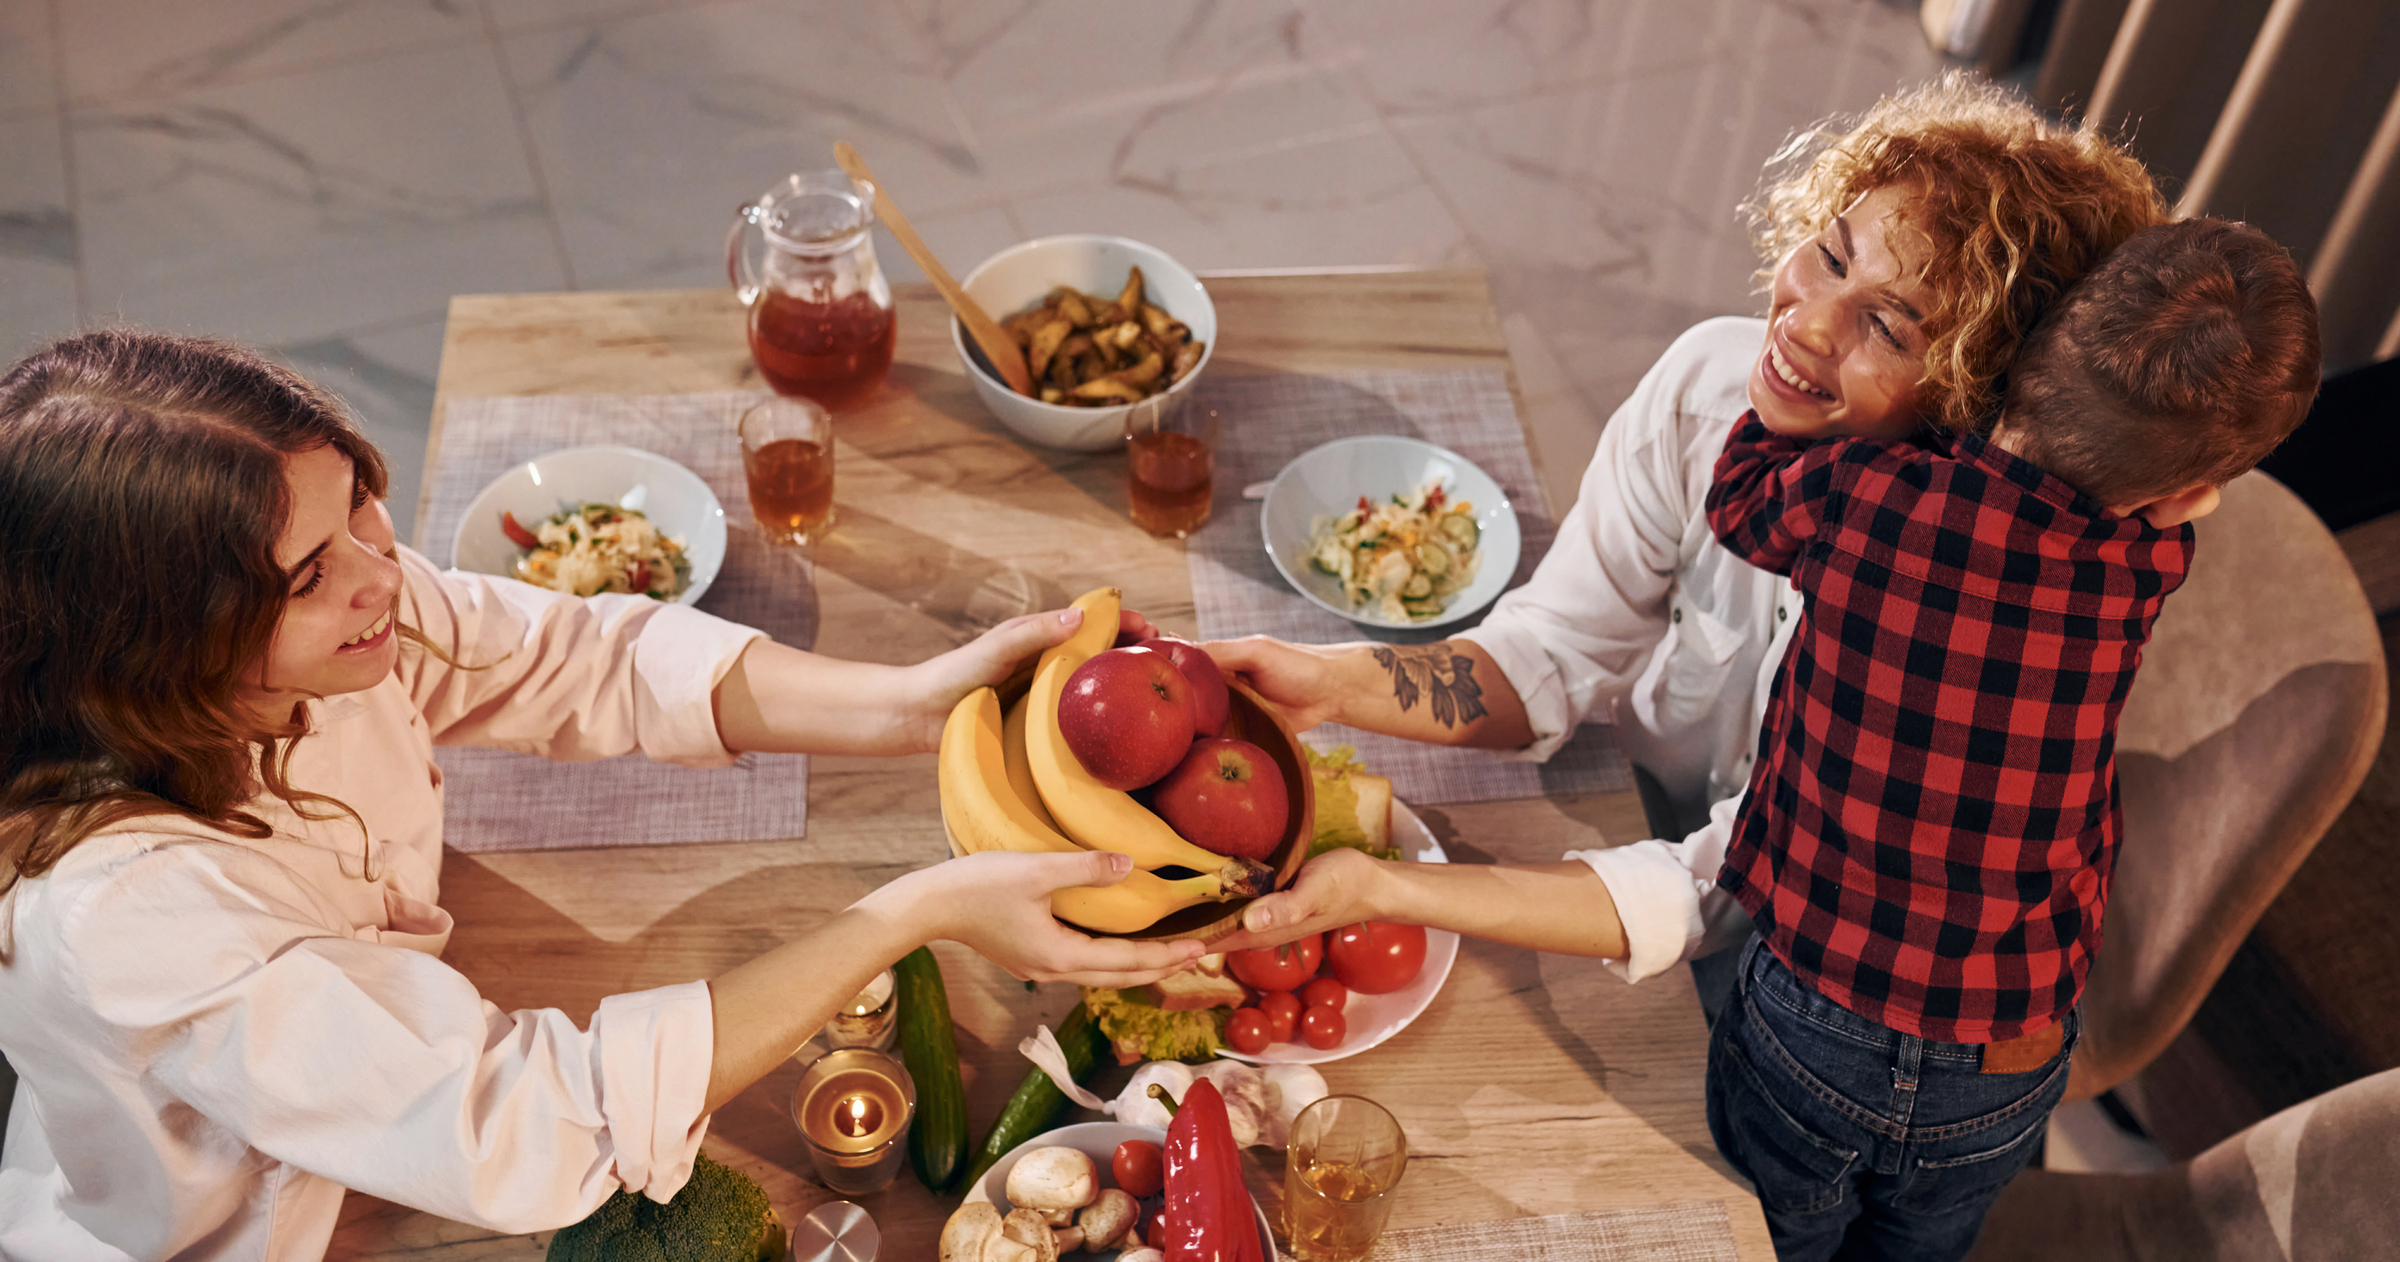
1864, 1142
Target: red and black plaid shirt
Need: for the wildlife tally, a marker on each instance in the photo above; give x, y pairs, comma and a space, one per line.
1932, 820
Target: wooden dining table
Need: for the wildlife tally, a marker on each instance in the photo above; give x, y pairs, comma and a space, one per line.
1532, 1085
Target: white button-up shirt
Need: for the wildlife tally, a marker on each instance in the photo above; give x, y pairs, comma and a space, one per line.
1637, 612
216, 1035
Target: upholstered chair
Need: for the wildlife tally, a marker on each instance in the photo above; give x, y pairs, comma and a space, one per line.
2313, 1183
2258, 708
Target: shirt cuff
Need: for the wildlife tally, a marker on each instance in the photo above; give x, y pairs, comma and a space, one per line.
1530, 671
655, 1048
681, 657
1658, 903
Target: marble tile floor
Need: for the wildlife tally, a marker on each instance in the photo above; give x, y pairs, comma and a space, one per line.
319, 176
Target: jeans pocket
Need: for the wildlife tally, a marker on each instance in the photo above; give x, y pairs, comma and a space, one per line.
1947, 1184
1793, 1169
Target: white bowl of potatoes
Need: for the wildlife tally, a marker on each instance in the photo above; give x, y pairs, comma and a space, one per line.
1016, 281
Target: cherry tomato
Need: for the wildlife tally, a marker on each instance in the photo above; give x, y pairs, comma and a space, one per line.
517, 534
1322, 1026
1283, 1014
1326, 991
1375, 958
1157, 1230
1247, 1030
1140, 1168
1277, 967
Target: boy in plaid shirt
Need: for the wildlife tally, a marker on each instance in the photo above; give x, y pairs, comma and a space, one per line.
1931, 821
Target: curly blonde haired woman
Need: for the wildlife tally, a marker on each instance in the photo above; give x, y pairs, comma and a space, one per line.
1909, 255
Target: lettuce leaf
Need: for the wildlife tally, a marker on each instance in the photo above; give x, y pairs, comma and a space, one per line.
1152, 1033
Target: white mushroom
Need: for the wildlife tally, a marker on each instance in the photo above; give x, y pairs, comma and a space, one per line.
969, 1229
1056, 1177
1107, 1219
1024, 1228
1141, 1255
1069, 1239
1058, 1217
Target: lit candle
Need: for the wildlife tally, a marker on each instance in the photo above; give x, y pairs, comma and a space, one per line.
853, 1107
868, 1019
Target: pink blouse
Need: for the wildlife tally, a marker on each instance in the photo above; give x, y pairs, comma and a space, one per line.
216, 1036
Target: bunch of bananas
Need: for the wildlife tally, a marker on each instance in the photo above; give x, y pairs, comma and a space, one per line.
1009, 782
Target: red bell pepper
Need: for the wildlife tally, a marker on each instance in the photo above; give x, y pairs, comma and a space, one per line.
1208, 1217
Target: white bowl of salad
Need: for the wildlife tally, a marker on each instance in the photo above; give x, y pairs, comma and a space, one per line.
597, 520
1391, 532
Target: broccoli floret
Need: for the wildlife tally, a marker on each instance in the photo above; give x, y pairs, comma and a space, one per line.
720, 1216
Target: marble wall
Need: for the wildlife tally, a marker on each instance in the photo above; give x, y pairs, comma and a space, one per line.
319, 176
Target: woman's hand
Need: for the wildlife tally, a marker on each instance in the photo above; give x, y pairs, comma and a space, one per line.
1339, 887
998, 903
1306, 682
935, 686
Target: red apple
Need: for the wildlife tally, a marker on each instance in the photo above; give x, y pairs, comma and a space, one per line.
1210, 701
1127, 716
1226, 796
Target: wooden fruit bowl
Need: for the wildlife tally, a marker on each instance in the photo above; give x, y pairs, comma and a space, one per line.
1247, 719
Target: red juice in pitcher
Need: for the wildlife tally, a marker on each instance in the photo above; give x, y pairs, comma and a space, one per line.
835, 353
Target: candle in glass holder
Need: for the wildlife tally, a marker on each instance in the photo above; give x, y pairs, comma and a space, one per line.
869, 1019
853, 1107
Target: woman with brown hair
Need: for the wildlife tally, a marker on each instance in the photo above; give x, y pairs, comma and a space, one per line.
221, 680
1908, 255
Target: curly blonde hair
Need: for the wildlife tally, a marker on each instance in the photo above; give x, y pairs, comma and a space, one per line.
2012, 208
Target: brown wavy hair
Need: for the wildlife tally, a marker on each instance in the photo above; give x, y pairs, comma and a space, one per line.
2011, 207
2181, 361
142, 493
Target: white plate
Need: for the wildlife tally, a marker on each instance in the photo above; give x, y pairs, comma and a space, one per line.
1097, 1140
1328, 482
673, 497
1371, 1019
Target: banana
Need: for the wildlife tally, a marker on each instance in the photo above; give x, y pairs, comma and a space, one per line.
1092, 814
1020, 772
982, 811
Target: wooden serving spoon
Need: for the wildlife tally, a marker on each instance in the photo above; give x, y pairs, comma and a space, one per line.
995, 343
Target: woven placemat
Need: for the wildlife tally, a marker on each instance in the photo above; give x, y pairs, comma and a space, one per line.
1678, 1231
500, 800
1268, 420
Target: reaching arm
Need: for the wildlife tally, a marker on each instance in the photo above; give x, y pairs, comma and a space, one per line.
779, 699
997, 903
1560, 907
1448, 693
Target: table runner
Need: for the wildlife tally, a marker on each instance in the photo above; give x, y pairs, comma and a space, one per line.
1678, 1231
500, 800
1236, 590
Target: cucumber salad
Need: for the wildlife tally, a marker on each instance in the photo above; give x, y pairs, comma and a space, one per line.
1404, 558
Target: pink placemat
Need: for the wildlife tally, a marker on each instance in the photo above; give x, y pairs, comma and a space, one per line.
1266, 421
501, 800
1678, 1231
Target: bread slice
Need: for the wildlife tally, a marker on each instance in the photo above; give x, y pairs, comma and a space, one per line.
1204, 985
1374, 809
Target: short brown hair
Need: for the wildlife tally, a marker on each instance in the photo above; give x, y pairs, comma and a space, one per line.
2179, 362
2012, 208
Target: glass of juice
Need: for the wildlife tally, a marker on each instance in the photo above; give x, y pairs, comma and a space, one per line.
787, 458
802, 261
1347, 1154
1170, 465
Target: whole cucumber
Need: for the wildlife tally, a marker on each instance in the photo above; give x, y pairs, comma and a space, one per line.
937, 1142
1038, 1102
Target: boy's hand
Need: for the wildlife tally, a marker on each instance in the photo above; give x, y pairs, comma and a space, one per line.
1339, 887
1305, 682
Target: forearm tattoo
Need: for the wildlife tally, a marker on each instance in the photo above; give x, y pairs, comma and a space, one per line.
1445, 680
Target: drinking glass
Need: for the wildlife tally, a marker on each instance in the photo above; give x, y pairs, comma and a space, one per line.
787, 458
1170, 465
1347, 1154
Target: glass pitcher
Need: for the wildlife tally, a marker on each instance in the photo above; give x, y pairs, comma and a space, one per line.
821, 322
